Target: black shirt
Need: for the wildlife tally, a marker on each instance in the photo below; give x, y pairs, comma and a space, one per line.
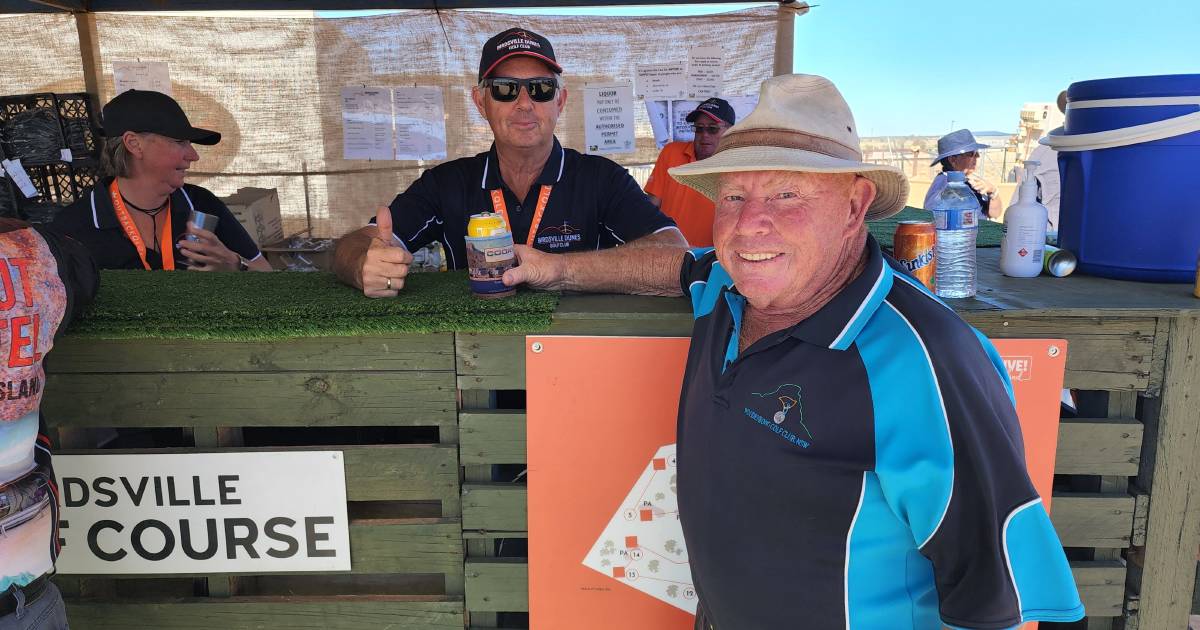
863, 468
594, 204
92, 221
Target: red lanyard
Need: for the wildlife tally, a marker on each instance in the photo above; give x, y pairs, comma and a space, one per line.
131, 231
501, 208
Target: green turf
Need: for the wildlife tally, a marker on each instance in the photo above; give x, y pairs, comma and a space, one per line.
264, 306
990, 232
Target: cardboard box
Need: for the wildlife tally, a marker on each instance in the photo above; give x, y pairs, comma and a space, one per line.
257, 209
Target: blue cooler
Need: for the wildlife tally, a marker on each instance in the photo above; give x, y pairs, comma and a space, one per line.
1129, 162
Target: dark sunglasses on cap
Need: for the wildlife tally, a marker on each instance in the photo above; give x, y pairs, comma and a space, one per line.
506, 90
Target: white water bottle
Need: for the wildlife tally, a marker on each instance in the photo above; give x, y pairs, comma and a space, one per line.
1024, 230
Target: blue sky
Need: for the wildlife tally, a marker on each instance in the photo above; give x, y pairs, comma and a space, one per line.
923, 66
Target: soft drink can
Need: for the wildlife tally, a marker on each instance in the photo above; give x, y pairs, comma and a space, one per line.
1058, 262
489, 255
912, 246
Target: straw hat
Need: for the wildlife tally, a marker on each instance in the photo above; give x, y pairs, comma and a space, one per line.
956, 143
802, 124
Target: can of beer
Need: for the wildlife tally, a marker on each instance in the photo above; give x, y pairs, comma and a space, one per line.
1058, 262
912, 246
489, 255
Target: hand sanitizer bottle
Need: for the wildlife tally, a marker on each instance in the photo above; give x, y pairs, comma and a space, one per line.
1024, 230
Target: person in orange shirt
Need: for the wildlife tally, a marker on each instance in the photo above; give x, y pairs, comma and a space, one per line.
692, 211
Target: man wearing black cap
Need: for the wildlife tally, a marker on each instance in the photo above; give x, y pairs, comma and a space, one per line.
554, 199
691, 210
136, 217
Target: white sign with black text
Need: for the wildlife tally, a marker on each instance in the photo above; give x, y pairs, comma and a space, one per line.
420, 116
706, 71
661, 81
203, 512
141, 75
367, 132
608, 117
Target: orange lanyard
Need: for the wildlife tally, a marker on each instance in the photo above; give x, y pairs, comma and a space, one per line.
131, 231
501, 208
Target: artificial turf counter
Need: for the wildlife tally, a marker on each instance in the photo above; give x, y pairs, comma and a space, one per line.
264, 306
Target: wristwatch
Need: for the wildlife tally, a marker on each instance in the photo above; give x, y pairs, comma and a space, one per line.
242, 264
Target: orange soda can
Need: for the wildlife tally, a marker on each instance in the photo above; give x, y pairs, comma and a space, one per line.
912, 247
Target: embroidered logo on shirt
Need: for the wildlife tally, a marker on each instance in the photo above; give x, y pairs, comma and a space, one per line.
558, 236
789, 398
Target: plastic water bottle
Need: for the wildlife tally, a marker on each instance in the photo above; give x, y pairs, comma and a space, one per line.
955, 216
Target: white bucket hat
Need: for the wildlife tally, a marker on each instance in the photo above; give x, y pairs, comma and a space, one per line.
802, 124
956, 143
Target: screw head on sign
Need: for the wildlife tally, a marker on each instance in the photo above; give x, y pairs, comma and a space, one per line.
1054, 351
537, 346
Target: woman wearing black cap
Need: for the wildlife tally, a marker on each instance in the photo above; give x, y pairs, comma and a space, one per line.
136, 217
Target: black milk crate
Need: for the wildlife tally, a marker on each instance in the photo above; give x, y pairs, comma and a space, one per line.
31, 128
85, 173
8, 198
54, 183
79, 124
41, 213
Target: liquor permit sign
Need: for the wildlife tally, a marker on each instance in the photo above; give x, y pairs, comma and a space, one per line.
608, 118
203, 513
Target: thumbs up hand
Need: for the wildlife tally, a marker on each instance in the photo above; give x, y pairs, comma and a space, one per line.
386, 263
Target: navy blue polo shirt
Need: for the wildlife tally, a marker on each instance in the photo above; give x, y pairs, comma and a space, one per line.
594, 204
91, 220
862, 469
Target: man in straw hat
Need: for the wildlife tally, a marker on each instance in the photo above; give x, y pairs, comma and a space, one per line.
849, 455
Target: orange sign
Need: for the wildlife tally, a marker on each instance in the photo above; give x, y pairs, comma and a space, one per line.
605, 547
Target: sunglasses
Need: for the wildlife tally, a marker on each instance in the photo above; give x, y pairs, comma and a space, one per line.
506, 90
705, 129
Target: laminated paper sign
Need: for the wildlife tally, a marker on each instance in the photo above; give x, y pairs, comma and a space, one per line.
706, 70
420, 123
606, 549
608, 118
659, 113
367, 123
251, 512
139, 75
662, 81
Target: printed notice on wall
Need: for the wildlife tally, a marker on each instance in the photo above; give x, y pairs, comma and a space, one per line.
608, 117
203, 512
420, 117
141, 75
706, 71
367, 123
661, 81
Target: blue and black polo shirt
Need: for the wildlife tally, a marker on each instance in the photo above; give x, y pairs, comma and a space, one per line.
594, 204
862, 469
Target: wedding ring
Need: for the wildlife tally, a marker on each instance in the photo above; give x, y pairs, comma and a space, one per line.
389, 286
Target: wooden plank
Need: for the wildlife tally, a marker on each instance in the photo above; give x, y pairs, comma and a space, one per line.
1103, 353
1101, 587
347, 612
494, 507
1158, 364
477, 401
1098, 446
491, 437
1173, 528
490, 361
1092, 519
1081, 519
497, 584
309, 399
433, 351
502, 585
401, 472
406, 546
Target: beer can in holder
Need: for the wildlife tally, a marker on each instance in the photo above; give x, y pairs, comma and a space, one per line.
489, 254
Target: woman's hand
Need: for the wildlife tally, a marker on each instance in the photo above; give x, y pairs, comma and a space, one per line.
981, 185
207, 252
